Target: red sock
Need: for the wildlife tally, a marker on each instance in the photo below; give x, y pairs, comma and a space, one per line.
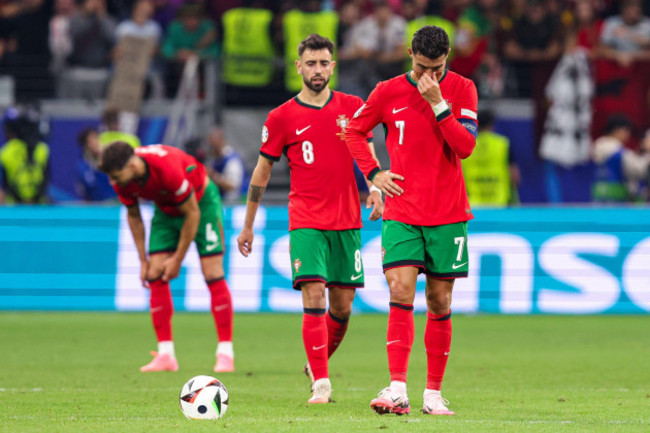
437, 342
314, 336
221, 307
336, 329
161, 309
399, 339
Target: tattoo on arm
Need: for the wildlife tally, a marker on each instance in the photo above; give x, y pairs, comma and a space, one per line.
255, 193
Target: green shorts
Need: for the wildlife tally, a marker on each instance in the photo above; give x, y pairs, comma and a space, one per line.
330, 256
438, 251
166, 229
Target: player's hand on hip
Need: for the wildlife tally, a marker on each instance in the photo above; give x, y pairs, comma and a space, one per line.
430, 89
144, 269
171, 268
375, 202
384, 180
245, 241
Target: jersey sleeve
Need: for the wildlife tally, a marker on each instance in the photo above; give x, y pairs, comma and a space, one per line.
459, 127
176, 182
358, 133
126, 199
273, 137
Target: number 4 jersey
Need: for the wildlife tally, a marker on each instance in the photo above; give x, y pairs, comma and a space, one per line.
324, 192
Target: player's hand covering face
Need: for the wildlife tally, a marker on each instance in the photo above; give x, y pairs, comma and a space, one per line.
434, 68
316, 68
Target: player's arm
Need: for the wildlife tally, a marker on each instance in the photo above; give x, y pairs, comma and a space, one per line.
366, 118
461, 137
259, 180
374, 199
192, 215
136, 225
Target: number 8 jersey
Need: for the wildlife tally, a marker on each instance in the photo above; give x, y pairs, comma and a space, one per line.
324, 192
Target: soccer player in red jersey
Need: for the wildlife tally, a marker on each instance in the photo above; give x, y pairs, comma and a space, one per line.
431, 124
187, 208
324, 214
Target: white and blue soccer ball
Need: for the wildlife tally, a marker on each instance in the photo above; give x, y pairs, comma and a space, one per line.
204, 397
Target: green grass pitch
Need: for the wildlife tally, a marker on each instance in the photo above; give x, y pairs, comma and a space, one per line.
78, 372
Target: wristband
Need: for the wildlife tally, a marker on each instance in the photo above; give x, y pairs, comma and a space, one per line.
440, 108
374, 188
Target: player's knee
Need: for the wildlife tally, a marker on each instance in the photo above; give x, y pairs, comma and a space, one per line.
217, 274
313, 294
401, 292
438, 302
154, 273
341, 311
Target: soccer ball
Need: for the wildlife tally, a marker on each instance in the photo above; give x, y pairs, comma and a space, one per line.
204, 397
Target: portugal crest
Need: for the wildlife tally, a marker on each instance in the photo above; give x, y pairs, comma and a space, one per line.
297, 264
342, 122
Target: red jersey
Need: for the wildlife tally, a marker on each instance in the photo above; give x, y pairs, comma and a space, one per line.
324, 191
171, 177
424, 149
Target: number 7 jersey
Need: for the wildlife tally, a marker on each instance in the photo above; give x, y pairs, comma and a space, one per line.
324, 192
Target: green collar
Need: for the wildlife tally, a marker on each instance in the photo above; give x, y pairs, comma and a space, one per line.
315, 107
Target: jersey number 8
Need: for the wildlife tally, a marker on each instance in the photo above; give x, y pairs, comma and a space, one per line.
308, 152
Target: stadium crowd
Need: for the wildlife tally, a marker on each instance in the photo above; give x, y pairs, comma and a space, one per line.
585, 64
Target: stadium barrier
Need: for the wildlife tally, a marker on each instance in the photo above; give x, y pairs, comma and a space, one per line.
522, 261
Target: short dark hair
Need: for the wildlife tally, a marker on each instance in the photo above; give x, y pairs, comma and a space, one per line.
486, 118
315, 42
617, 121
82, 138
115, 156
431, 42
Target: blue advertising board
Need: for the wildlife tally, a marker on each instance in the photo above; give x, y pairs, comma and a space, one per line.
522, 261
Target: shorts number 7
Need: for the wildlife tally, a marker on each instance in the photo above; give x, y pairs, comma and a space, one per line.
460, 241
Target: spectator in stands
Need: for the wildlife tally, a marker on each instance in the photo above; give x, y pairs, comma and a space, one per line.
112, 132
619, 170
532, 47
228, 170
191, 34
588, 27
625, 38
60, 38
471, 43
92, 184
140, 25
491, 173
378, 43
24, 54
165, 11
24, 158
93, 38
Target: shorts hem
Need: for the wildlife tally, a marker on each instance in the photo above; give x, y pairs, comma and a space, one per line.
306, 279
345, 285
219, 253
151, 253
446, 275
404, 263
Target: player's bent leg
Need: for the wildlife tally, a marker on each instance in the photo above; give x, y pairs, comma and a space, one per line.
338, 316
161, 310
437, 342
221, 309
314, 334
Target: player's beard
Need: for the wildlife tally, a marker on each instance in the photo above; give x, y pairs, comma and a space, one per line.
316, 87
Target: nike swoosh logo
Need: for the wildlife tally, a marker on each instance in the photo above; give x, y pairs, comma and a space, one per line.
355, 277
153, 310
211, 247
391, 342
220, 307
454, 266
397, 111
300, 131
318, 348
447, 353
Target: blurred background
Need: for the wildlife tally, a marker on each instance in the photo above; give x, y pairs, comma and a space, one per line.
563, 111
